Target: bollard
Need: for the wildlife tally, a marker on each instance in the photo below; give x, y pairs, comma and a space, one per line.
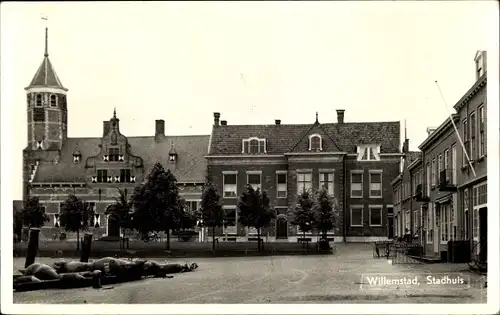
32, 247
86, 247
96, 279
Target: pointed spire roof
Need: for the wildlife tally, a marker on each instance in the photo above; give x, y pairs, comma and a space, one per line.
46, 75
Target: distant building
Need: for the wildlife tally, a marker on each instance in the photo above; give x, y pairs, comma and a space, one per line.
55, 165
355, 162
407, 212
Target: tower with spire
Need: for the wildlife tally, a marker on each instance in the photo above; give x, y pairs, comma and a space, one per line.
47, 110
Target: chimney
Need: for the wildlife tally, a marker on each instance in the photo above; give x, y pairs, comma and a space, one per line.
430, 130
216, 119
223, 122
106, 127
340, 116
159, 128
277, 122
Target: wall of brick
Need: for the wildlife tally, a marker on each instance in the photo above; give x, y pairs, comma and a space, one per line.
390, 169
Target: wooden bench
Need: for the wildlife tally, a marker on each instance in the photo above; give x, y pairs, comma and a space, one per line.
304, 240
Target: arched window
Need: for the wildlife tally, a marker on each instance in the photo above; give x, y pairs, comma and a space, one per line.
254, 146
53, 101
315, 143
39, 100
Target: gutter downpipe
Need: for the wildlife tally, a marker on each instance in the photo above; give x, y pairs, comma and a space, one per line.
344, 204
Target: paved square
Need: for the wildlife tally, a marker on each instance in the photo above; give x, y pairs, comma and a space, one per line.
279, 279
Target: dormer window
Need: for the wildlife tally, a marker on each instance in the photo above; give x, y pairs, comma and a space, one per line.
315, 143
53, 100
172, 157
368, 152
77, 158
38, 102
254, 146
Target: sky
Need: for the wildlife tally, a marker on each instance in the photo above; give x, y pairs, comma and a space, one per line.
253, 62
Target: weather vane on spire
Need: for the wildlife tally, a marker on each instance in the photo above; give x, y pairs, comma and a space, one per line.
114, 112
45, 18
316, 116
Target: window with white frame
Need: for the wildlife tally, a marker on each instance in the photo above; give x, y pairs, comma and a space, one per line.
446, 165
375, 183
466, 141
356, 215
229, 183
430, 224
53, 100
281, 184
39, 102
479, 200
254, 145
326, 182
357, 184
433, 175
315, 143
475, 224
304, 182
482, 141
231, 219
375, 218
445, 222
440, 166
466, 211
454, 164
428, 179
415, 221
473, 136
192, 206
368, 152
254, 179
407, 220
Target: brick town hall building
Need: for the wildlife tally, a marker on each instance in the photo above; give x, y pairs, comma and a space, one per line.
355, 162
55, 165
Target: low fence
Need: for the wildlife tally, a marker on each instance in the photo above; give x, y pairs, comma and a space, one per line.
398, 252
158, 249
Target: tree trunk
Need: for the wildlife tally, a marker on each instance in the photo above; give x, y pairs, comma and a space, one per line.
77, 239
168, 239
258, 239
213, 238
304, 243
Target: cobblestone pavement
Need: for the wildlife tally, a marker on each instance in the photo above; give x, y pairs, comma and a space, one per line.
280, 279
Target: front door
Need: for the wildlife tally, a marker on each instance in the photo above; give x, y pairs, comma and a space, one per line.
390, 227
437, 231
113, 226
281, 228
483, 233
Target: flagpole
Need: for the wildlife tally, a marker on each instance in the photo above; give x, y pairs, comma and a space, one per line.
456, 130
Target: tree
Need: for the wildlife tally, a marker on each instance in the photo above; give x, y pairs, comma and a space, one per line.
304, 214
75, 216
255, 210
33, 214
157, 204
211, 212
325, 212
189, 217
122, 210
